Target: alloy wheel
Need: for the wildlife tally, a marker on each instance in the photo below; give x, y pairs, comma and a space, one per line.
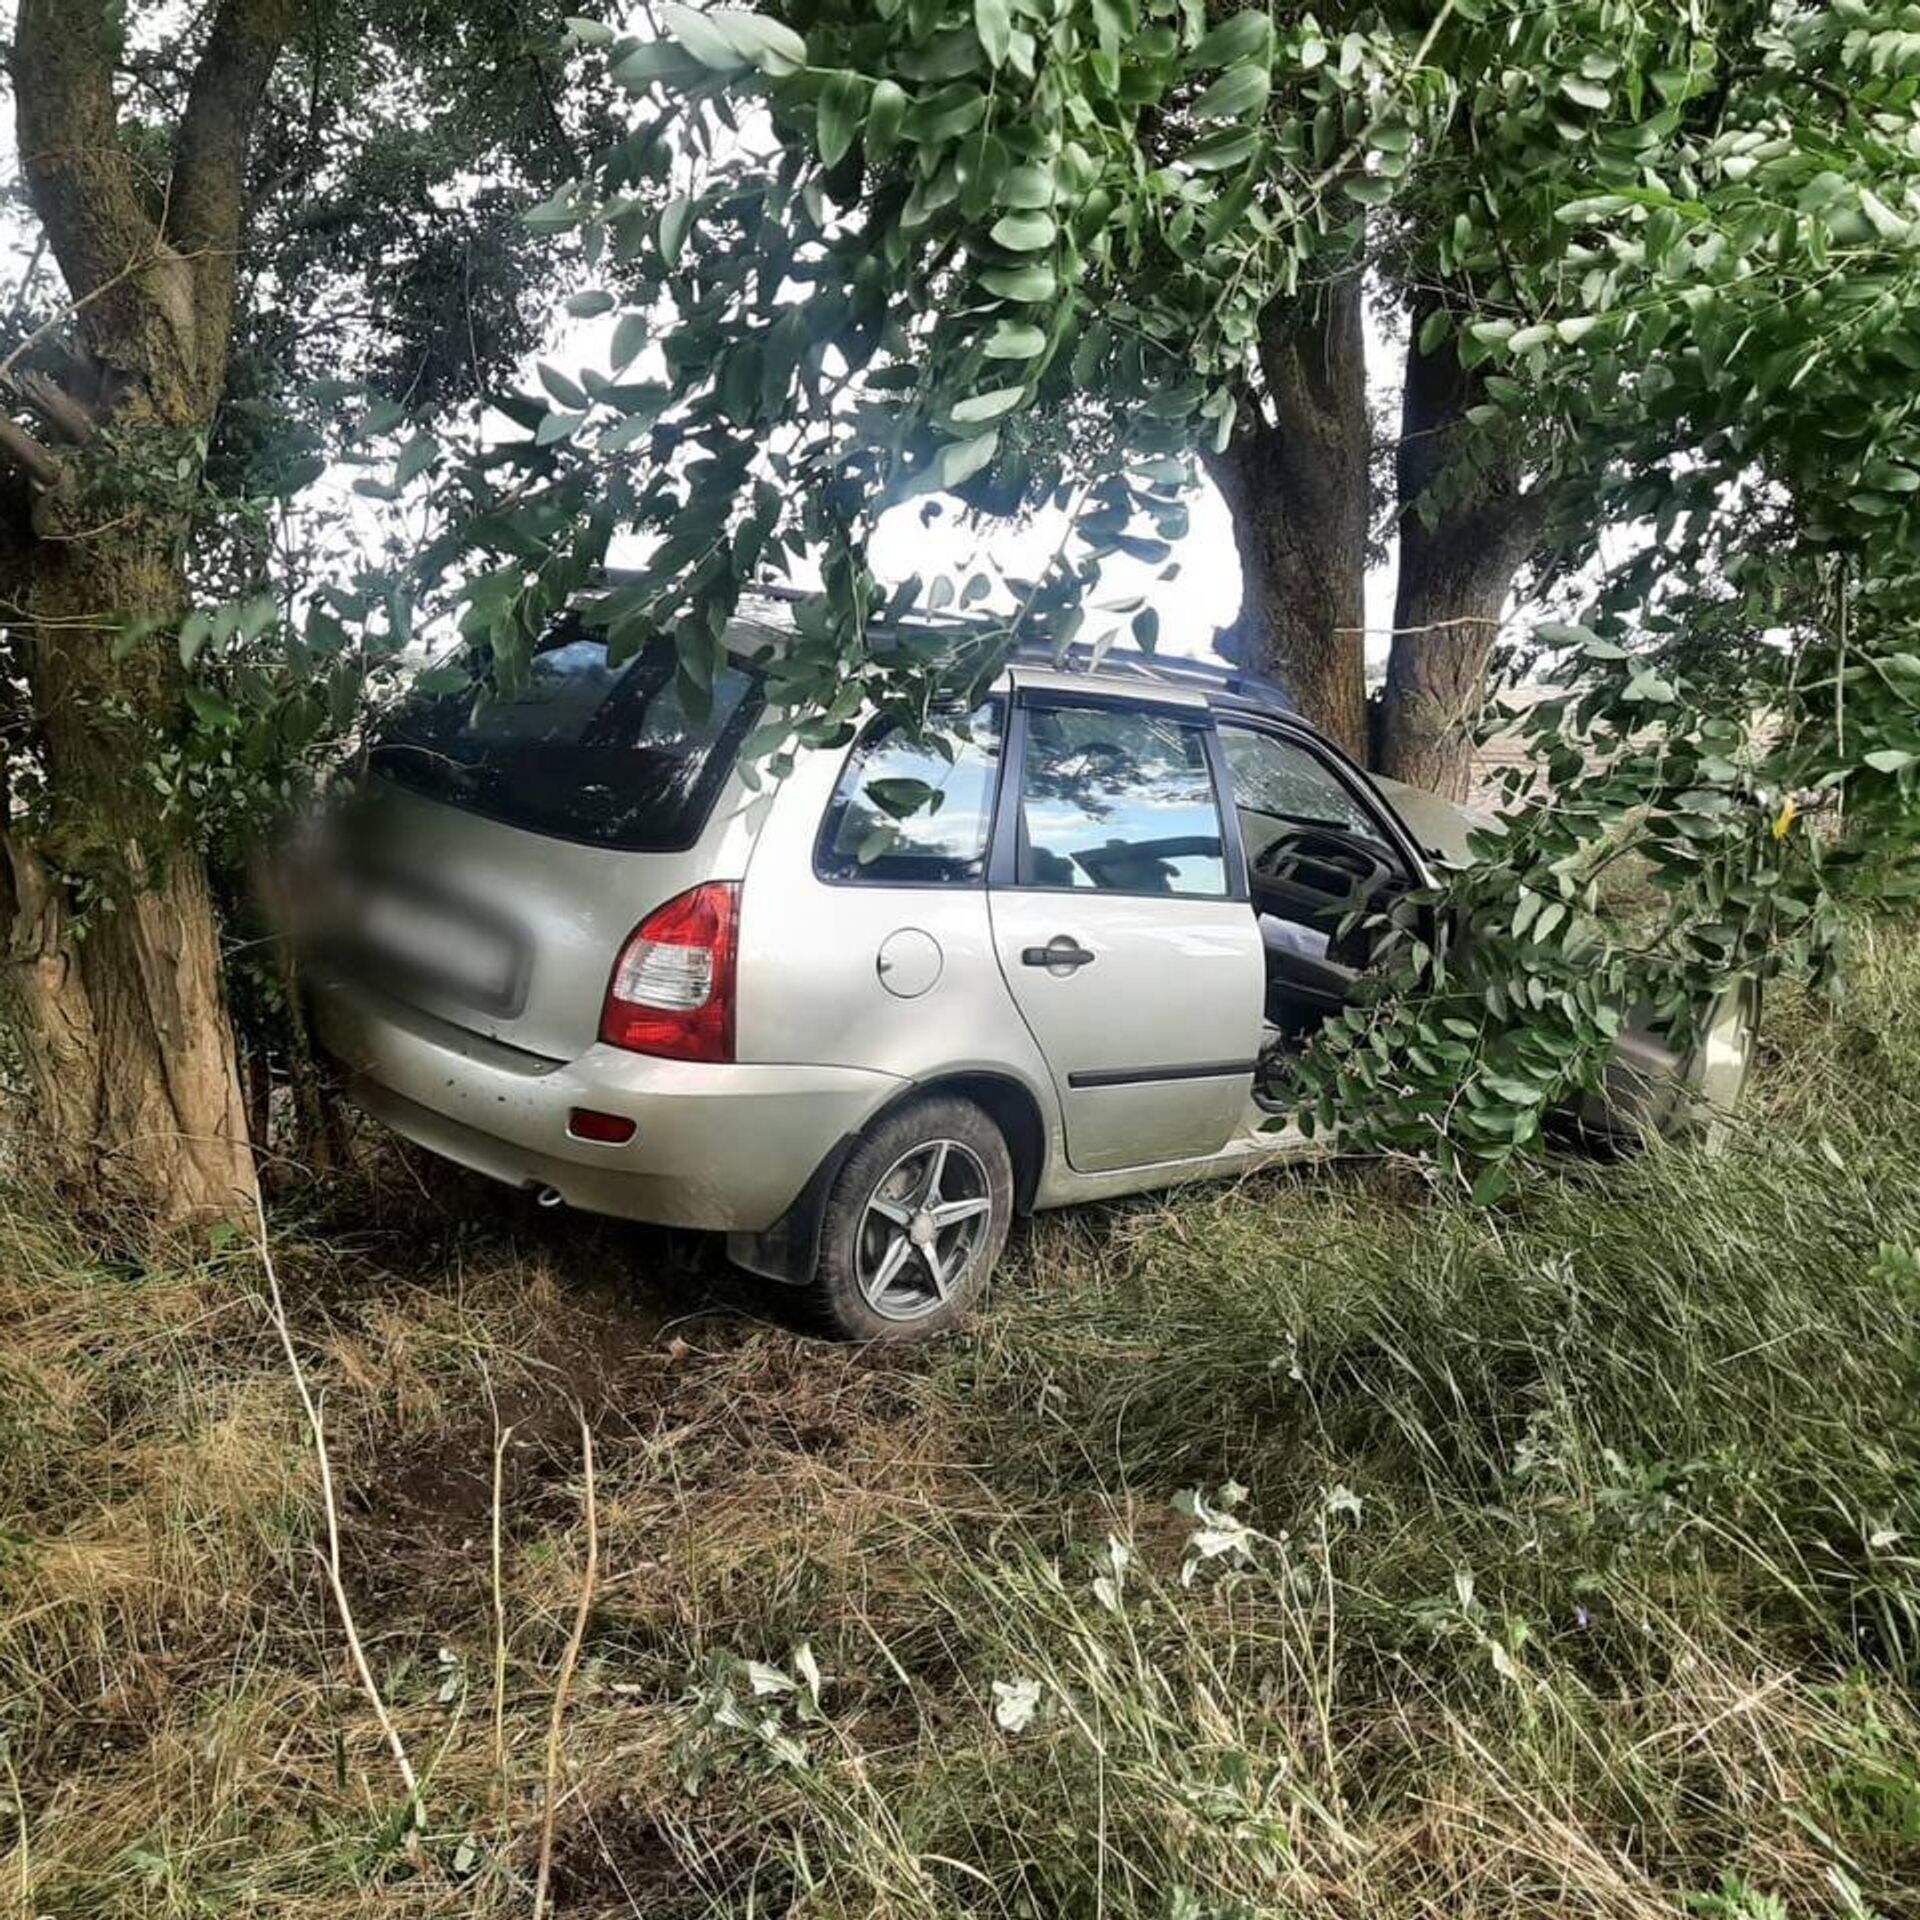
924, 1225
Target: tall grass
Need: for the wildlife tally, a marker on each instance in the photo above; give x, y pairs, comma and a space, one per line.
1316, 1544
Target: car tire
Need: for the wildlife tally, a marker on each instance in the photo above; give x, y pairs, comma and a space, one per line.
915, 1222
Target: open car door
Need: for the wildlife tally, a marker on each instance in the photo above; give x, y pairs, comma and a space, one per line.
1318, 846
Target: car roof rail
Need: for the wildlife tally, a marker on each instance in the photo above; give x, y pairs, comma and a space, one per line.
1170, 669
1131, 663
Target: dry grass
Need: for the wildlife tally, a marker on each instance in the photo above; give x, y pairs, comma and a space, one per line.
1577, 1576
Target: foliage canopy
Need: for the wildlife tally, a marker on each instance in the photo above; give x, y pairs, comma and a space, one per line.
858, 254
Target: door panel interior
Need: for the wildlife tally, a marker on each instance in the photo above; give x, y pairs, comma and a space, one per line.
1316, 853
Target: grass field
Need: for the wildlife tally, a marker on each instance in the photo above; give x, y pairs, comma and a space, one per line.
1311, 1545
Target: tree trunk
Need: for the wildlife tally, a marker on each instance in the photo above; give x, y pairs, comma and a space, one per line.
107, 923
112, 938
1296, 487
1458, 558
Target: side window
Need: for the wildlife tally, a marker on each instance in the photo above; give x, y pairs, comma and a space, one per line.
904, 814
1119, 799
1279, 780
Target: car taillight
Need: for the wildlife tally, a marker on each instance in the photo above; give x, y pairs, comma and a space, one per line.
672, 987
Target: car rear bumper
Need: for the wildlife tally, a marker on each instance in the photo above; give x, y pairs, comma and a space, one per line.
727, 1148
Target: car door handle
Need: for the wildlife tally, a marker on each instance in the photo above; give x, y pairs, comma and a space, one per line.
1061, 951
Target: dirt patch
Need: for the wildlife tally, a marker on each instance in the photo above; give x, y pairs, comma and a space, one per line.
616, 1861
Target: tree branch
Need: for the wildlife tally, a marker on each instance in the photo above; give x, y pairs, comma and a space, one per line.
78, 173
23, 451
73, 418
207, 204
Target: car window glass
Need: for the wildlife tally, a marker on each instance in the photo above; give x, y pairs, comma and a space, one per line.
1285, 781
609, 755
906, 814
1120, 800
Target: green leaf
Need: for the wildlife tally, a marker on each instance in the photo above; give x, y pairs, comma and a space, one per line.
195, 631
1434, 329
1238, 94
899, 797
886, 109
1030, 284
962, 459
728, 40
1563, 633
993, 22
1015, 340
986, 406
1891, 759
839, 116
1023, 232
630, 333
1583, 92
211, 709
702, 37
586, 306
557, 426
1492, 1184
1025, 187
946, 115
564, 389
1224, 147
654, 60
1367, 188
415, 458
1241, 36
676, 217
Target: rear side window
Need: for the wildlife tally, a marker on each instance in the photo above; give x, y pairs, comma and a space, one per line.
904, 814
1120, 800
612, 756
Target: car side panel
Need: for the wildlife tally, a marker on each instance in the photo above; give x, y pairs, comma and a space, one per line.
812, 987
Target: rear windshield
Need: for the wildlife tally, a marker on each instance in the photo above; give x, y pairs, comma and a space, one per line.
613, 756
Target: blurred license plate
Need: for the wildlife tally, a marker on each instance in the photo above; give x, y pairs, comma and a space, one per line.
439, 946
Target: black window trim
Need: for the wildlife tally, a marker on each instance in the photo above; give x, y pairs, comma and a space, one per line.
859, 741
1003, 852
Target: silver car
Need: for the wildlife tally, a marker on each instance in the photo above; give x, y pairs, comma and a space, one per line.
858, 1019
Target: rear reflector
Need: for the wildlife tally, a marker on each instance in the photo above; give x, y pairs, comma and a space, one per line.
672, 987
589, 1123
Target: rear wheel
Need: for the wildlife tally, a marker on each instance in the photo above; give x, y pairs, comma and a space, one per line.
915, 1222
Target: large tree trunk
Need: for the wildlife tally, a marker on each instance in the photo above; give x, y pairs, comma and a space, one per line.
107, 923
1296, 486
112, 938
1458, 557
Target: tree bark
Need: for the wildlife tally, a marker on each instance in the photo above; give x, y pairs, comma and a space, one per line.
1458, 558
107, 923
1296, 487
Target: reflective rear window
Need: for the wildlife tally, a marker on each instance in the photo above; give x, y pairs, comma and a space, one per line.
612, 756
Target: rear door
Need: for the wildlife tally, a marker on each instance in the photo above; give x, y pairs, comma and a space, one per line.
1123, 927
